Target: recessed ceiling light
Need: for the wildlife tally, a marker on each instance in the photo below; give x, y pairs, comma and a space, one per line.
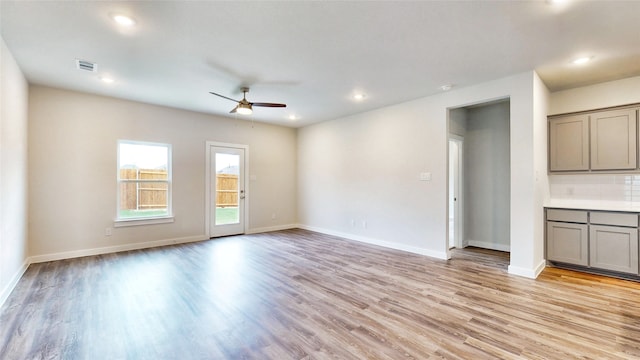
106, 79
293, 117
559, 6
446, 87
582, 60
123, 20
359, 96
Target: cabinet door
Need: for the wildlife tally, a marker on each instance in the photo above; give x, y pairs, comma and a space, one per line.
569, 143
613, 140
614, 248
567, 243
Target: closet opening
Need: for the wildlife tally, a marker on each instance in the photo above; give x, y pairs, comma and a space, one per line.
479, 184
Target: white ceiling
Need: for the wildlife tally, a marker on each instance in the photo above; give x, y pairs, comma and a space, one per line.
315, 55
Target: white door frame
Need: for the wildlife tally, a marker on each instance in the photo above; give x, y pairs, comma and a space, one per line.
207, 208
458, 208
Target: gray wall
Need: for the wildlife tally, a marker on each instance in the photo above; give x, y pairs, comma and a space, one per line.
366, 168
72, 165
487, 177
458, 121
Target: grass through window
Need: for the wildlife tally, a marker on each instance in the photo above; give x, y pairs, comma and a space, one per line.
227, 215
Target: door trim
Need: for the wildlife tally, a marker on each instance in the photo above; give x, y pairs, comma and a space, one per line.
207, 192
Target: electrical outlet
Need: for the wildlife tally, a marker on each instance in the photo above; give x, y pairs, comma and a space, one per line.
364, 224
108, 231
273, 216
425, 176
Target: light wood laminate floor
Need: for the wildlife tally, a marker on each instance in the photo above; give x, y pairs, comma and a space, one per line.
301, 295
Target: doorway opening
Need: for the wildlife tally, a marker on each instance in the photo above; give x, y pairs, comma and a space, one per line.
479, 186
226, 189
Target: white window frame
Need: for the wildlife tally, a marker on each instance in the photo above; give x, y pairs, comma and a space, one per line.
145, 220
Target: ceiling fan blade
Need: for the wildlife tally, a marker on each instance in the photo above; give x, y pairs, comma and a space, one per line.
235, 109
268, 104
222, 96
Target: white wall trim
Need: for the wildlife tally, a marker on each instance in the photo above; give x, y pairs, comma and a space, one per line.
528, 273
146, 221
113, 249
271, 228
488, 245
391, 245
4, 295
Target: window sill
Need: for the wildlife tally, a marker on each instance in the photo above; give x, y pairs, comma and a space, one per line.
145, 221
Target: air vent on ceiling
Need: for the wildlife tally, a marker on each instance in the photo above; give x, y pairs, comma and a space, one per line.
86, 65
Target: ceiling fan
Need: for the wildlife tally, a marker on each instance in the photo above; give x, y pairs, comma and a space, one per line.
244, 106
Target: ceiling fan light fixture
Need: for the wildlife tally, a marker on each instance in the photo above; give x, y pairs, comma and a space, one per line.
244, 109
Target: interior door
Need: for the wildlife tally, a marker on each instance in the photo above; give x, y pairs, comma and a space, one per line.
227, 191
455, 192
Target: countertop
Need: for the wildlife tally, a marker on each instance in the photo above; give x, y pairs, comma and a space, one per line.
625, 206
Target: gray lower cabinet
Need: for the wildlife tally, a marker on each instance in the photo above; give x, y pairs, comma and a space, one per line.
567, 243
613, 248
603, 241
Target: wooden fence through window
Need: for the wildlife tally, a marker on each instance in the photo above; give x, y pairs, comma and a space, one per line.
153, 195
142, 195
226, 190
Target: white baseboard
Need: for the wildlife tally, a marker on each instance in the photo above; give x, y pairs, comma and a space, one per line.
271, 228
528, 273
113, 249
4, 295
408, 248
488, 245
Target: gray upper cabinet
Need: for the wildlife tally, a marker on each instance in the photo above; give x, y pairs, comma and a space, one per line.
594, 141
613, 140
569, 143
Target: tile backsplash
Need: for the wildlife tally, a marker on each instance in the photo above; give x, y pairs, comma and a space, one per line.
600, 187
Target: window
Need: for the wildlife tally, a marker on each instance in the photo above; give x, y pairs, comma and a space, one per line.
144, 181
